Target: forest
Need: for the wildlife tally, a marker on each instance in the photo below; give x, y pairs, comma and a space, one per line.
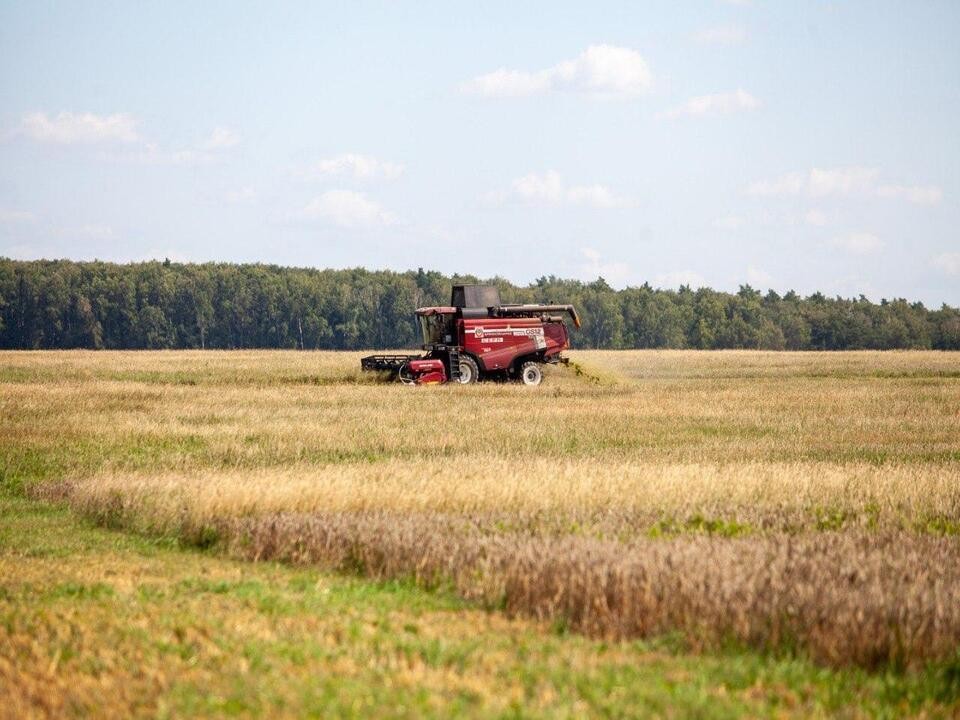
52, 304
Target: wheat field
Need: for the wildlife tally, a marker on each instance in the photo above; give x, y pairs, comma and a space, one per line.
805, 504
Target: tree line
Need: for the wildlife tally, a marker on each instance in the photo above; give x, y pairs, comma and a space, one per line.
150, 305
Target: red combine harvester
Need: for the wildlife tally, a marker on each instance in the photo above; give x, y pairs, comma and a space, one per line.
479, 337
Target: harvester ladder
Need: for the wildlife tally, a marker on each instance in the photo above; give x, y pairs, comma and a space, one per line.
454, 355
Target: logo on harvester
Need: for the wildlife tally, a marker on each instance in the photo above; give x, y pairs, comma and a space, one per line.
478, 332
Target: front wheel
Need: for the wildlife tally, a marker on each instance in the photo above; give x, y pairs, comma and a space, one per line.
469, 372
531, 374
404, 375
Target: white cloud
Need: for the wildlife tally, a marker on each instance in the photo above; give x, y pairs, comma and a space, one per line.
67, 128
347, 209
790, 184
12, 217
599, 70
361, 167
546, 188
221, 138
859, 243
615, 273
840, 181
206, 153
843, 182
678, 278
818, 183
549, 189
815, 217
759, 277
715, 104
917, 194
607, 69
76, 128
721, 35
948, 263
728, 222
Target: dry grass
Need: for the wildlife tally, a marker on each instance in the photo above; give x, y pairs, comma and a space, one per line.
606, 500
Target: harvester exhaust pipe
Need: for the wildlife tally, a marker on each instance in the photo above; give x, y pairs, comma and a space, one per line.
521, 310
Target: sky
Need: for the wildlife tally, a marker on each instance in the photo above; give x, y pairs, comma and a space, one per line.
788, 145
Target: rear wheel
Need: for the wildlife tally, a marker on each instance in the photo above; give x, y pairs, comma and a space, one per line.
530, 373
469, 372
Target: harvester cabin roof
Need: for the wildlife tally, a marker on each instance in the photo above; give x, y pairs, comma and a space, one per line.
475, 296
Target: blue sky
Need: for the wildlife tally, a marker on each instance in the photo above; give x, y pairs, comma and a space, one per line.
805, 145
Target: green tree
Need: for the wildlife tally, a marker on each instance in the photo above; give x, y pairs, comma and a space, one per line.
61, 304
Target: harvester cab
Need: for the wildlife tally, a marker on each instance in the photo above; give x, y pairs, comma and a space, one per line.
478, 337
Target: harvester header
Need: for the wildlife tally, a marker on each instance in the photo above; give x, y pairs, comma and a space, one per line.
478, 337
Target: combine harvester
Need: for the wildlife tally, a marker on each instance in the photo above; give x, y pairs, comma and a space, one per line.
479, 337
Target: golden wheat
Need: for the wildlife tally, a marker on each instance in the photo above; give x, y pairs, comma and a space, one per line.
541, 493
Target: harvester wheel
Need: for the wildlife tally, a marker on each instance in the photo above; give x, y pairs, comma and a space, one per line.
469, 372
404, 375
530, 373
